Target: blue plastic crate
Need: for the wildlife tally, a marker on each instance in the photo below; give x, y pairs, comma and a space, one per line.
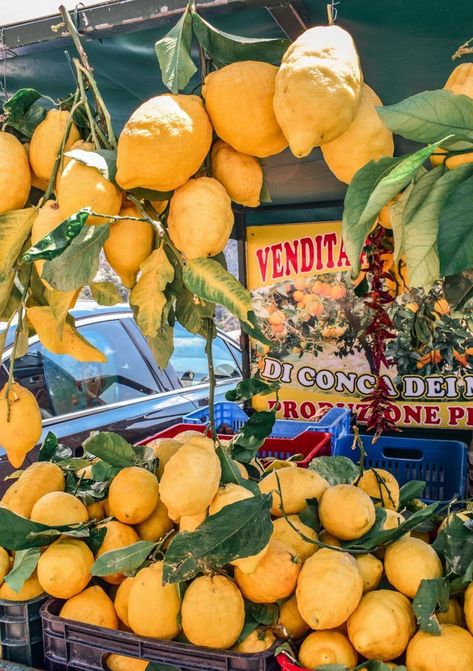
442, 464
336, 421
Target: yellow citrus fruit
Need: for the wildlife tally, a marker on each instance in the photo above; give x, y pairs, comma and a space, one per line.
91, 606
36, 481
366, 139
284, 532
239, 101
191, 478
200, 205
227, 495
346, 511
371, 570
15, 176
133, 495
20, 422
275, 576
128, 245
408, 561
122, 663
174, 128
46, 142
192, 522
451, 651
291, 619
257, 641
4, 564
121, 600
184, 436
382, 625
380, 484
57, 509
213, 612
327, 647
393, 519
296, 485
96, 511
329, 589
118, 536
153, 608
81, 186
30, 590
163, 449
454, 614
240, 174
49, 217
468, 607
64, 568
323, 65
328, 539
156, 525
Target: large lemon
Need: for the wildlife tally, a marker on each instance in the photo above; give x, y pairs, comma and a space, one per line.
213, 612
36, 481
121, 600
371, 570
58, 509
64, 568
327, 647
200, 218
274, 577
118, 536
133, 495
240, 174
192, 522
283, 531
451, 651
163, 449
128, 245
291, 619
30, 590
20, 422
409, 561
257, 641
380, 484
329, 589
239, 100
346, 512
296, 486
15, 176
46, 142
156, 525
91, 606
227, 495
321, 65
153, 608
454, 614
386, 612
163, 143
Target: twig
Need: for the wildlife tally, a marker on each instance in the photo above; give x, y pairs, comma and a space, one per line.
18, 330
212, 379
463, 50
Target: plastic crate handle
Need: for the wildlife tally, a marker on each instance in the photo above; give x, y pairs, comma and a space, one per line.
402, 453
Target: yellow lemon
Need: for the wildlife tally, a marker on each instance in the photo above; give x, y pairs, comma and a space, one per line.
371, 570
156, 525
20, 422
257, 641
346, 512
49, 217
408, 561
15, 176
133, 495
327, 647
46, 142
283, 531
58, 509
4, 564
121, 600
296, 485
451, 651
454, 614
64, 568
91, 606
468, 607
240, 174
122, 663
163, 449
227, 495
380, 484
96, 511
30, 590
192, 522
35, 481
291, 619
118, 536
153, 608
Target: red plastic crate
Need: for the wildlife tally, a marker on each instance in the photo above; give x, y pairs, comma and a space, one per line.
309, 444
286, 664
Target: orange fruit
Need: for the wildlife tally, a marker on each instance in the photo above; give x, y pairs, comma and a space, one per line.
316, 308
317, 286
299, 283
298, 295
337, 292
277, 318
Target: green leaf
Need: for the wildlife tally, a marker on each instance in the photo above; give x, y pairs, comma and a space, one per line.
123, 560
59, 239
455, 234
19, 533
105, 293
15, 227
397, 209
147, 295
174, 55
103, 160
431, 596
96, 538
25, 563
257, 614
252, 328
458, 290
250, 438
25, 110
111, 448
253, 386
191, 313
79, 263
103, 472
162, 345
231, 472
455, 545
208, 280
225, 48
240, 529
336, 470
430, 116
60, 302
48, 448
265, 196
411, 490
5, 291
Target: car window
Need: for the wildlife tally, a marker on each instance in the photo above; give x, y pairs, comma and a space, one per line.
189, 359
63, 385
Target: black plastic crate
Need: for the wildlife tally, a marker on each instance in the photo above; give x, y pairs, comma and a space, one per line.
21, 634
75, 646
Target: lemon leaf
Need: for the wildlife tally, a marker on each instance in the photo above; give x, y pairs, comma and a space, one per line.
105, 293
455, 238
432, 595
103, 160
162, 345
25, 563
173, 52
60, 302
147, 295
253, 386
123, 560
20, 533
15, 226
111, 448
5, 290
59, 239
336, 470
25, 110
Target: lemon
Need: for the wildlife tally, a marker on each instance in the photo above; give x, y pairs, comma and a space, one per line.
291, 619
35, 481
283, 531
451, 651
58, 509
156, 525
91, 606
121, 600
46, 142
192, 522
15, 176
321, 65
239, 101
382, 612
454, 614
329, 589
327, 647
380, 484
163, 143
296, 485
409, 561
96, 511
200, 205
4, 564
20, 422
371, 570
122, 663
163, 449
30, 590
118, 536
240, 174
228, 494
274, 578
346, 512
328, 539
257, 641
128, 245
468, 607
64, 568
133, 495
49, 217
213, 612
366, 139
153, 608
